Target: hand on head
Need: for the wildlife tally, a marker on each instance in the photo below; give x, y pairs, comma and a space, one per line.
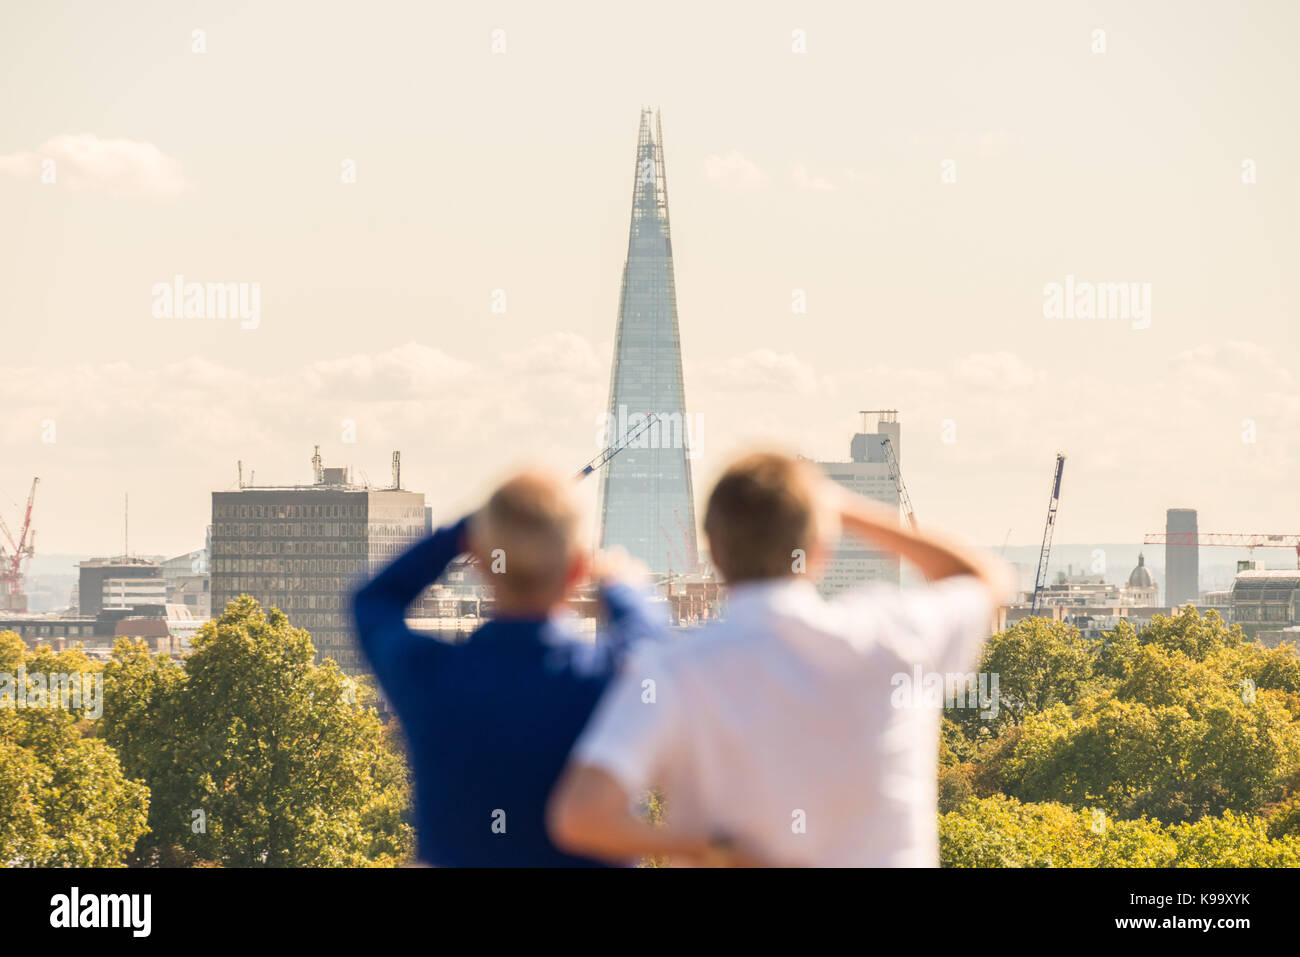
613, 566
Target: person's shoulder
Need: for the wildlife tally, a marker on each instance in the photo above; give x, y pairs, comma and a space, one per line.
700, 648
569, 651
873, 618
888, 616
884, 599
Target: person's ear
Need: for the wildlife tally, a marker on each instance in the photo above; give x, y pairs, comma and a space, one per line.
818, 555
579, 568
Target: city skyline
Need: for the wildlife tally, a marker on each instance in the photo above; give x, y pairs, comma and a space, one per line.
921, 293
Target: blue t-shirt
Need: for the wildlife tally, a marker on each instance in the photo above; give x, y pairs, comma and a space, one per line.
490, 722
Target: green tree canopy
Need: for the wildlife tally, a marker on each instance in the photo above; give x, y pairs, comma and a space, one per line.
64, 799
256, 755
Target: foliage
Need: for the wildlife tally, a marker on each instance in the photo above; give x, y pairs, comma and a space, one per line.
257, 756
64, 799
1184, 735
1002, 832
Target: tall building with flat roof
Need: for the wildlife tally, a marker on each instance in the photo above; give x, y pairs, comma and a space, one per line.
1182, 557
1264, 601
866, 473
647, 503
95, 574
304, 549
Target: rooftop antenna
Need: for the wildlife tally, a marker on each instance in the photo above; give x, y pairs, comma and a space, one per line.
126, 525
887, 415
240, 463
397, 470
317, 467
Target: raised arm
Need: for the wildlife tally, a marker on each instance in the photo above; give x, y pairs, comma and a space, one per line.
628, 617
379, 608
934, 553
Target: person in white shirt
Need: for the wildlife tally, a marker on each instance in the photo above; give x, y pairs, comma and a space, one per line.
791, 733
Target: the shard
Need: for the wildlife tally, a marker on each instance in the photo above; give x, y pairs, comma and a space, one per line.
646, 500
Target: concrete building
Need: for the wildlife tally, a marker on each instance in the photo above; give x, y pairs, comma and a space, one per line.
1266, 601
189, 582
866, 473
95, 573
304, 549
1182, 557
1092, 604
96, 633
130, 593
1141, 588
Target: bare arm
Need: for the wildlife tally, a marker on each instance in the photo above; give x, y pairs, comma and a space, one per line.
935, 554
589, 814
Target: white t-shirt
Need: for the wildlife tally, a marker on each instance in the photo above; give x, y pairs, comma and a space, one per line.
795, 725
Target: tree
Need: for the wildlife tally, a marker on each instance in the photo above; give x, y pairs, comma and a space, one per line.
258, 756
64, 800
142, 694
1002, 832
1173, 740
1038, 663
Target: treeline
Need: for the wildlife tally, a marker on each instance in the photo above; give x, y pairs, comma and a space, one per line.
244, 754
1178, 745
1175, 746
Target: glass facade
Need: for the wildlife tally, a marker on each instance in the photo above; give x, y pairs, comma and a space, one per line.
647, 504
304, 551
853, 564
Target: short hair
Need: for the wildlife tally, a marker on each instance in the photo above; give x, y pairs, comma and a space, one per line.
528, 534
761, 510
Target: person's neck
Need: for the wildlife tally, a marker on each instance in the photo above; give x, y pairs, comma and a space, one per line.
521, 610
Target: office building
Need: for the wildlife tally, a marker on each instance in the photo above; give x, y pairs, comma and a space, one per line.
113, 577
867, 473
1182, 557
647, 503
305, 549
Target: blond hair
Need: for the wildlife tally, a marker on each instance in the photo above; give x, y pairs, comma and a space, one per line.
528, 534
762, 511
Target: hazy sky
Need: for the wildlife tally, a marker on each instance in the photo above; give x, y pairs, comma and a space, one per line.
821, 171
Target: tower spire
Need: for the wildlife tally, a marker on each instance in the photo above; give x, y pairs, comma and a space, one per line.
647, 502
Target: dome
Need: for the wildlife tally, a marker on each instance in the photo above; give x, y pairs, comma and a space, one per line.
1140, 577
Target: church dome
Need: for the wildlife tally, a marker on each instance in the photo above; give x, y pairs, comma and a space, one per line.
1140, 577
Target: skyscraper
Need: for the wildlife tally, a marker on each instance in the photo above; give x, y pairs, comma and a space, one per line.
866, 473
647, 505
304, 548
1182, 564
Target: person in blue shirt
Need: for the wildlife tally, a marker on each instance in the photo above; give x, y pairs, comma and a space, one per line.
489, 723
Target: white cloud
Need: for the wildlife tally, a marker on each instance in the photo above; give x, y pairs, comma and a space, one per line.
407, 371
804, 180
1000, 371
761, 370
117, 166
734, 172
172, 433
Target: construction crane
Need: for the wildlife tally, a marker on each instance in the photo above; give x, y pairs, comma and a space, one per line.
896, 474
1041, 578
1226, 540
600, 460
22, 548
672, 549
